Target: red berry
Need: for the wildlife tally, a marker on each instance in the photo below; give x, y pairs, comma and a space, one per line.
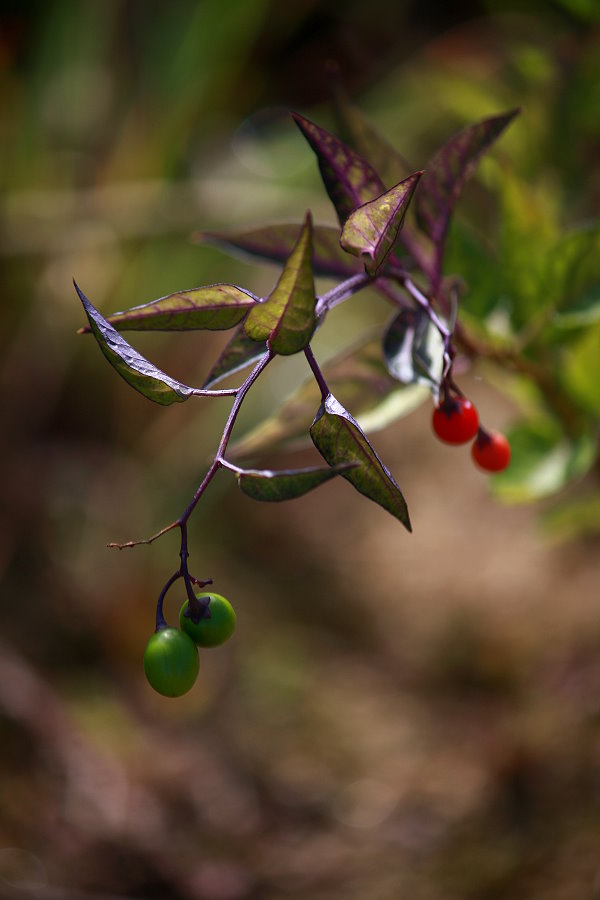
491, 451
455, 420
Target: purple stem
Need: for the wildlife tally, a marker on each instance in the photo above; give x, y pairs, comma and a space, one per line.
341, 292
218, 460
319, 377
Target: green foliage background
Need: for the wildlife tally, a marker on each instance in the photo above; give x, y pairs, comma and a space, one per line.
397, 715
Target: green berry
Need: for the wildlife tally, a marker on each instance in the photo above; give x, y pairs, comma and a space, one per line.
212, 629
171, 662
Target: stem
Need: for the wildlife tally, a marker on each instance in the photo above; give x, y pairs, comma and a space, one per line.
150, 540
341, 292
319, 377
161, 622
218, 460
223, 392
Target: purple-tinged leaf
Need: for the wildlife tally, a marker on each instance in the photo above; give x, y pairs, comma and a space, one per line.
215, 307
446, 174
240, 352
131, 365
413, 349
371, 230
275, 243
339, 439
263, 484
349, 179
359, 133
359, 377
286, 319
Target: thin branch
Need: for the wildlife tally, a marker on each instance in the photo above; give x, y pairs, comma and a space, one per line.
319, 377
150, 540
218, 460
341, 292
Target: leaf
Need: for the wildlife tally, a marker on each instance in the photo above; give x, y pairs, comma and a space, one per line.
349, 179
372, 229
275, 243
413, 349
543, 461
365, 139
574, 274
263, 484
339, 439
214, 307
286, 319
580, 370
239, 352
131, 365
359, 376
448, 171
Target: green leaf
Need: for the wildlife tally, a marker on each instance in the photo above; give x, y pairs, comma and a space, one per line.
371, 230
450, 168
240, 352
357, 375
413, 349
215, 307
575, 277
543, 461
349, 179
275, 243
131, 365
263, 484
482, 273
580, 370
286, 319
339, 439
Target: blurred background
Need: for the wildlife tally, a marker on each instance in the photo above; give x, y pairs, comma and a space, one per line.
397, 715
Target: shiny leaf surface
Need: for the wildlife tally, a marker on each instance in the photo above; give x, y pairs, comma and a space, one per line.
339, 439
131, 365
413, 349
268, 486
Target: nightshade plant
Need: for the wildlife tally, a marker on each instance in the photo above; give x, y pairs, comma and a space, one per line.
392, 236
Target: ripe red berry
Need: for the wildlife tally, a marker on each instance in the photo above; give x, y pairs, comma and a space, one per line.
455, 420
491, 451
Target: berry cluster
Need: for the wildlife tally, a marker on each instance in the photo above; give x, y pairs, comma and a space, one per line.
456, 421
171, 661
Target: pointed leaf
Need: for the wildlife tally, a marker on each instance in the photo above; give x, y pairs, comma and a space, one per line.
276, 242
286, 319
446, 174
366, 140
214, 307
413, 349
339, 439
371, 231
263, 484
360, 377
349, 179
239, 352
131, 365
